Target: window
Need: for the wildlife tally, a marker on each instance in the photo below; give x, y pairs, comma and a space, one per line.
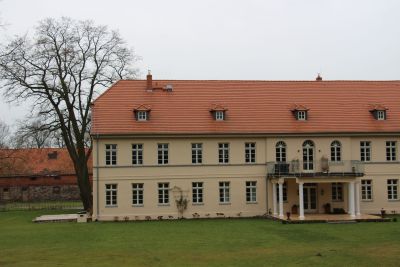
162, 153
111, 154
391, 150
392, 187
142, 116
197, 192
336, 153
250, 152
337, 192
137, 194
224, 192
301, 115
280, 151
366, 189
284, 187
111, 195
251, 191
223, 153
365, 150
197, 153
380, 115
163, 193
219, 115
137, 154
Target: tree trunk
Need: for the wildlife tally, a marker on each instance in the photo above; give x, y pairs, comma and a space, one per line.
82, 175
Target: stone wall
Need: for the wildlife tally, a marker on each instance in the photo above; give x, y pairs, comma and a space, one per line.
39, 193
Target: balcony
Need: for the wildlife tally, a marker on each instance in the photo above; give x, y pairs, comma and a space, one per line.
316, 168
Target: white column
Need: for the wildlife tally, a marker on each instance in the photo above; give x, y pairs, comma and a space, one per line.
280, 199
351, 200
275, 206
301, 201
358, 213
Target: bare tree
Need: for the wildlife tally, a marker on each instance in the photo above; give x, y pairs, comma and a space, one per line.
61, 68
4, 135
34, 134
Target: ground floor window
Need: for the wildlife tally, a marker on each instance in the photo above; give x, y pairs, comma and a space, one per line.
251, 191
111, 194
337, 192
137, 194
284, 187
392, 187
163, 193
197, 192
366, 189
224, 196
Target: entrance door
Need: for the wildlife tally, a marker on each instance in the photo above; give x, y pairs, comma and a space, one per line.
308, 155
310, 198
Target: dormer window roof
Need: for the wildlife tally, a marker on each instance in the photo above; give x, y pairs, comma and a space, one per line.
379, 112
300, 112
219, 112
142, 113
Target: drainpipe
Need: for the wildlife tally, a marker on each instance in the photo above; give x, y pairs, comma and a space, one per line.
267, 193
97, 176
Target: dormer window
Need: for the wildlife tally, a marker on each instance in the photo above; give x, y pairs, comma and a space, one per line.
300, 112
219, 115
379, 112
142, 113
218, 112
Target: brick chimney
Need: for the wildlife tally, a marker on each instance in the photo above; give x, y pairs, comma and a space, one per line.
149, 77
319, 78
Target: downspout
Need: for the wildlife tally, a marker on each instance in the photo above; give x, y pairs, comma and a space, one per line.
267, 193
97, 176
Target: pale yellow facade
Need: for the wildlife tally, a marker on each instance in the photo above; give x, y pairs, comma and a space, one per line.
180, 173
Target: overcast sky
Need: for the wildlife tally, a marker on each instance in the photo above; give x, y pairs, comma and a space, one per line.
227, 39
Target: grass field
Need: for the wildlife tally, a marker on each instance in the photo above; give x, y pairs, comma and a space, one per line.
230, 242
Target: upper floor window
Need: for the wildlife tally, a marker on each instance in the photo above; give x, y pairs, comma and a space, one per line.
142, 116
392, 189
379, 112
197, 153
300, 112
391, 148
280, 151
336, 151
301, 115
218, 112
111, 194
111, 154
197, 192
137, 154
162, 150
365, 151
250, 152
380, 115
142, 113
219, 115
223, 152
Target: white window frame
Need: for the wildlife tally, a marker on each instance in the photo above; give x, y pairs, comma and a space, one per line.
380, 115
250, 152
336, 151
366, 190
223, 153
111, 154
365, 151
137, 194
251, 191
280, 151
197, 153
197, 193
111, 195
391, 150
337, 192
301, 115
163, 193
137, 154
142, 115
162, 154
393, 189
224, 192
219, 115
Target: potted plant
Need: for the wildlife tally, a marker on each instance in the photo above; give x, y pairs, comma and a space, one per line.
295, 209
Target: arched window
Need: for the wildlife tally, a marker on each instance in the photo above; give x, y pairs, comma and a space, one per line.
308, 155
336, 151
280, 151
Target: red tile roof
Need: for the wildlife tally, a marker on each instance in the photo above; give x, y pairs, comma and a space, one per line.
252, 107
36, 162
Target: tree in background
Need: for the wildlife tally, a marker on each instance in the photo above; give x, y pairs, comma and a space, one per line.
61, 68
4, 135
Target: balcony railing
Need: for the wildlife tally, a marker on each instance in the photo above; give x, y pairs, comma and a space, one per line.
315, 168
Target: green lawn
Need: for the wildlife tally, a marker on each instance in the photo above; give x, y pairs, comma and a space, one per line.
230, 242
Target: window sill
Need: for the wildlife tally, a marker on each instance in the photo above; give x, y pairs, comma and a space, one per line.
197, 204
367, 200
337, 201
252, 202
393, 200
111, 206
225, 203
337, 163
138, 205
164, 205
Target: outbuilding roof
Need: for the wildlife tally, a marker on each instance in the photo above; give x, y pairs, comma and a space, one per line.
259, 107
